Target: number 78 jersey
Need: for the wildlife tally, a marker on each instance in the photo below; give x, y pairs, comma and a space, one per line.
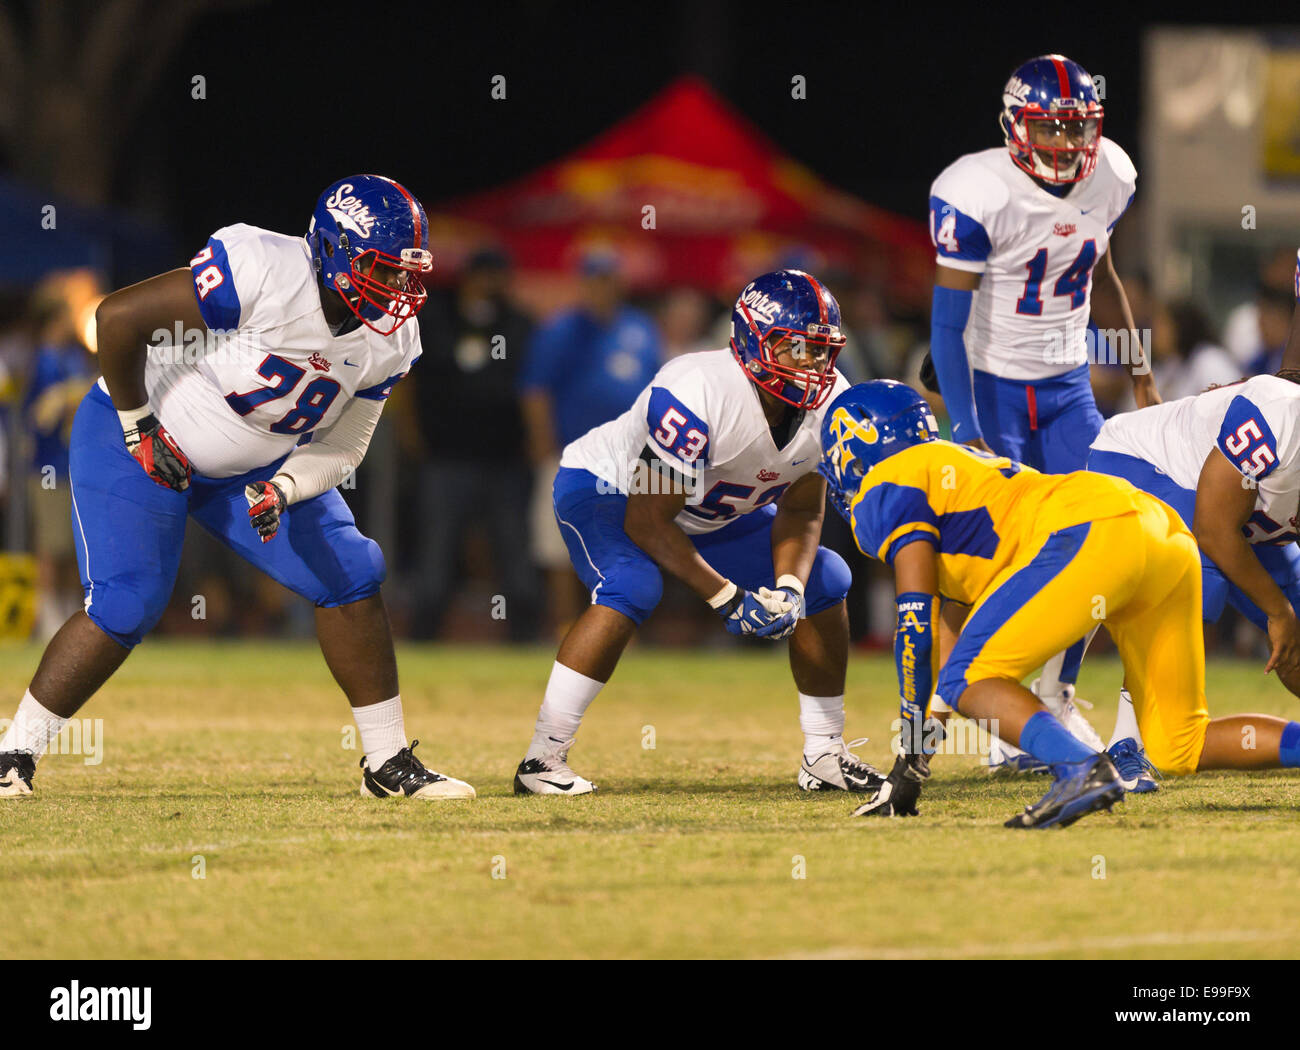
702, 416
268, 373
1036, 252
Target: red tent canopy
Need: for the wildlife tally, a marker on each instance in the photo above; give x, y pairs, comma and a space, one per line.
688, 192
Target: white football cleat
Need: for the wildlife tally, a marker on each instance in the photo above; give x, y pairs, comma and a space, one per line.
1064, 706
839, 769
405, 776
549, 773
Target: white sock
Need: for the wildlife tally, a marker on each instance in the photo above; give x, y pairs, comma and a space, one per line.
822, 720
568, 695
383, 733
1126, 722
33, 727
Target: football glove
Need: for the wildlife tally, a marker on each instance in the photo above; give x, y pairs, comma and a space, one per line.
788, 591
156, 450
897, 796
266, 503
929, 375
746, 612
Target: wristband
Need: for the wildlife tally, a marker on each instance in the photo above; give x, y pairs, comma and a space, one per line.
723, 596
132, 419
288, 489
789, 582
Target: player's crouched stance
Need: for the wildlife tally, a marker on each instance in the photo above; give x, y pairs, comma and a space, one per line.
711, 476
1039, 558
303, 341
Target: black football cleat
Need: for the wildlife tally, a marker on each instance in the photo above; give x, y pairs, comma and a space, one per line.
405, 775
16, 771
1080, 788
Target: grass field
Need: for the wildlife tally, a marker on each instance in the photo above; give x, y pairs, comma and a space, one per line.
228, 761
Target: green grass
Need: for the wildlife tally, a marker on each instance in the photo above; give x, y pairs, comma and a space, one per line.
233, 753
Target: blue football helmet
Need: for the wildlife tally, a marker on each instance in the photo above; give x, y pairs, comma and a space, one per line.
1051, 119
369, 241
788, 305
865, 424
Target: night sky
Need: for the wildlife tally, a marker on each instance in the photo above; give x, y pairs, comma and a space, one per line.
298, 96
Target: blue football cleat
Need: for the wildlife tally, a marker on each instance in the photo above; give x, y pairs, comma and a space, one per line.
1080, 788
1135, 770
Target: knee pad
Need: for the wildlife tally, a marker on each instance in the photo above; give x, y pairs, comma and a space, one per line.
124, 613
633, 586
360, 570
828, 582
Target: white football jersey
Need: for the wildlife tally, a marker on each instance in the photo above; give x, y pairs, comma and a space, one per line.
702, 415
1255, 424
268, 372
1036, 252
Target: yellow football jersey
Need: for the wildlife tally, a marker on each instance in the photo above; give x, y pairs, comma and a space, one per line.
979, 511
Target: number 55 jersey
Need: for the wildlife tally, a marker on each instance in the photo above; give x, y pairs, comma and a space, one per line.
1255, 424
269, 370
702, 416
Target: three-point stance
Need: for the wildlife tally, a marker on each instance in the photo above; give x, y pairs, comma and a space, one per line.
712, 476
300, 342
1040, 559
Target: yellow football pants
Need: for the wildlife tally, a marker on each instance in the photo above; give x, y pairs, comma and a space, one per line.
1140, 574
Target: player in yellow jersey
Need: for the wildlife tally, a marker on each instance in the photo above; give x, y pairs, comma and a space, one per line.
1041, 559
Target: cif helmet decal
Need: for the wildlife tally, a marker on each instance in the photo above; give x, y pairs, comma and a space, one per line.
866, 424
369, 242
788, 311
1051, 119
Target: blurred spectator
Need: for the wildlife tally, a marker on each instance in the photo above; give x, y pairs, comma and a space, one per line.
1250, 330
584, 367
1195, 361
1275, 306
468, 433
62, 370
684, 320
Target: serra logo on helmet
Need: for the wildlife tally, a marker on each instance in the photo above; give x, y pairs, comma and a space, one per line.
866, 424
369, 242
1051, 119
350, 211
790, 315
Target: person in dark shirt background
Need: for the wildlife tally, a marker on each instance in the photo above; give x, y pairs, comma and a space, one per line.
585, 366
468, 431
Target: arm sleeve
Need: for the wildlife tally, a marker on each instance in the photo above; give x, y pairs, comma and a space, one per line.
330, 456
949, 313
1247, 440
916, 658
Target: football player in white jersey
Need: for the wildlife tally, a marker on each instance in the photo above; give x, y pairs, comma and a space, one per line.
711, 475
241, 391
1228, 460
1018, 231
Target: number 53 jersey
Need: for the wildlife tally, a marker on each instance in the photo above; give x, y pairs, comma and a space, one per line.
702, 416
1255, 424
1036, 252
268, 372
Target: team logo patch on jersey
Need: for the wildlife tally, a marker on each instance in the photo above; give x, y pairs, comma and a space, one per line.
319, 363
349, 212
1065, 229
768, 475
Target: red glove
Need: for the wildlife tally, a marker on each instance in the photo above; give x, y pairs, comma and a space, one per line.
265, 505
157, 451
